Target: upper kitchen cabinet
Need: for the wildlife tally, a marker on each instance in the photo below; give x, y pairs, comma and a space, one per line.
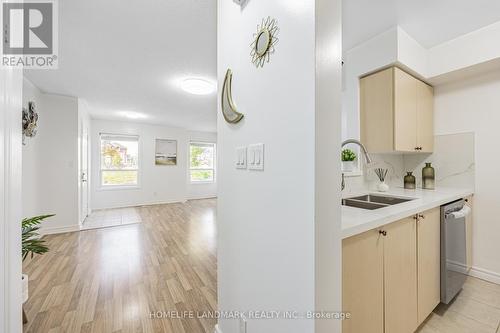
396, 112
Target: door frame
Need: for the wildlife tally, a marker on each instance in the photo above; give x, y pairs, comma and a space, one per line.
83, 135
10, 200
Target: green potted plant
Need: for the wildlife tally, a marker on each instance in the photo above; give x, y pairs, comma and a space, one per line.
31, 243
348, 157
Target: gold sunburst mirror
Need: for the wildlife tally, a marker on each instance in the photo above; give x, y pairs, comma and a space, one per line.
264, 41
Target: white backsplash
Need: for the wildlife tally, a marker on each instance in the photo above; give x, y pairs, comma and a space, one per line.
453, 160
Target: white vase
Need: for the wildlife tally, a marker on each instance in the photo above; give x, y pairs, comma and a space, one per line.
382, 187
347, 166
25, 287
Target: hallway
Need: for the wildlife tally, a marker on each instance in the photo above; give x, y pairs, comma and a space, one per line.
118, 279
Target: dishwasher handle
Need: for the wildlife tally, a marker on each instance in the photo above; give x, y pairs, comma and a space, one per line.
462, 213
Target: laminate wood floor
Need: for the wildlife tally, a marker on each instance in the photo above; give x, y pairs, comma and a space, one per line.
132, 278
476, 309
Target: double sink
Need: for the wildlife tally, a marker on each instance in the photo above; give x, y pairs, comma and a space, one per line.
373, 201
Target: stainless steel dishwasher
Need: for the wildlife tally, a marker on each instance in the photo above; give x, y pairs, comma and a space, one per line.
454, 267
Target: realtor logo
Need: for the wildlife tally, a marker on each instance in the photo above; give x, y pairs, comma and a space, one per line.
29, 34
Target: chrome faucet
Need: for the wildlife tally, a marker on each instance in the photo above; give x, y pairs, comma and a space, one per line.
368, 159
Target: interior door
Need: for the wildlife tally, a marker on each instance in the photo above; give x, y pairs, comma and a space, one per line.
84, 194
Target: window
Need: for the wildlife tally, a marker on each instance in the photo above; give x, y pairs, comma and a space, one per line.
202, 162
119, 160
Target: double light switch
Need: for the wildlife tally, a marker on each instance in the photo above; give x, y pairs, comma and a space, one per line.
253, 157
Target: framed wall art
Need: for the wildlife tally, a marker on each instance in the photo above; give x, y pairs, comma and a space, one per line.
166, 152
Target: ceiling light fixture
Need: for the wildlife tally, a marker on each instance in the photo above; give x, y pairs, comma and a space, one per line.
197, 86
132, 115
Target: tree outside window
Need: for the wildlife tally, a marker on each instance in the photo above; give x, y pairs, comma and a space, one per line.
119, 160
202, 162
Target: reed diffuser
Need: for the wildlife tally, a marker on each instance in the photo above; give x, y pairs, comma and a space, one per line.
382, 174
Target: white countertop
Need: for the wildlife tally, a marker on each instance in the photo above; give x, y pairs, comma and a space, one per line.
356, 220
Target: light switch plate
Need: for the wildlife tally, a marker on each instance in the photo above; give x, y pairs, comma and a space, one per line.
255, 156
241, 158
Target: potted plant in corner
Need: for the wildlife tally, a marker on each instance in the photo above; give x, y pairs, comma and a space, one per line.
31, 244
348, 158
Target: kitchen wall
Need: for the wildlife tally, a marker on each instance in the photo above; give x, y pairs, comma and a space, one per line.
158, 184
471, 105
278, 229
50, 161
453, 160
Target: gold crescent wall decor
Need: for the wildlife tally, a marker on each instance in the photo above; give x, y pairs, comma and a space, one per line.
264, 41
229, 109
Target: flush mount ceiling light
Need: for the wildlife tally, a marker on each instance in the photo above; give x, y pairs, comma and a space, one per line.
132, 115
197, 86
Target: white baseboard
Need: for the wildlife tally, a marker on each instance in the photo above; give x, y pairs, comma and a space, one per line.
59, 230
457, 267
141, 204
485, 274
217, 329
201, 197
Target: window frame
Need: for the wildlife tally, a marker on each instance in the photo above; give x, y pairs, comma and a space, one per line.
214, 168
103, 187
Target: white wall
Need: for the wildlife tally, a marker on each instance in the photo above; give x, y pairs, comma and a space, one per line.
471, 49
266, 219
158, 184
50, 161
472, 106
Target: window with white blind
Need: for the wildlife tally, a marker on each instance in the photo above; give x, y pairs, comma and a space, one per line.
202, 162
119, 160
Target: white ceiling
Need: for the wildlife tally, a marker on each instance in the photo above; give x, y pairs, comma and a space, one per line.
128, 56
430, 22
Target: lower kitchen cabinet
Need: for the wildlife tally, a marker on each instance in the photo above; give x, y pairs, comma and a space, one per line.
469, 201
429, 262
400, 276
363, 283
391, 275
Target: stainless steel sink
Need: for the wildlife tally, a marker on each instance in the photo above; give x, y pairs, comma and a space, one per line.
362, 204
374, 201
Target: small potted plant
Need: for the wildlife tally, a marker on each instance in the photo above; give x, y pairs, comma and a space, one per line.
31, 244
348, 158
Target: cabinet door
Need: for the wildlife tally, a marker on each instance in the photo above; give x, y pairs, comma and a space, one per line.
376, 111
400, 277
468, 231
405, 111
429, 258
425, 117
362, 283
